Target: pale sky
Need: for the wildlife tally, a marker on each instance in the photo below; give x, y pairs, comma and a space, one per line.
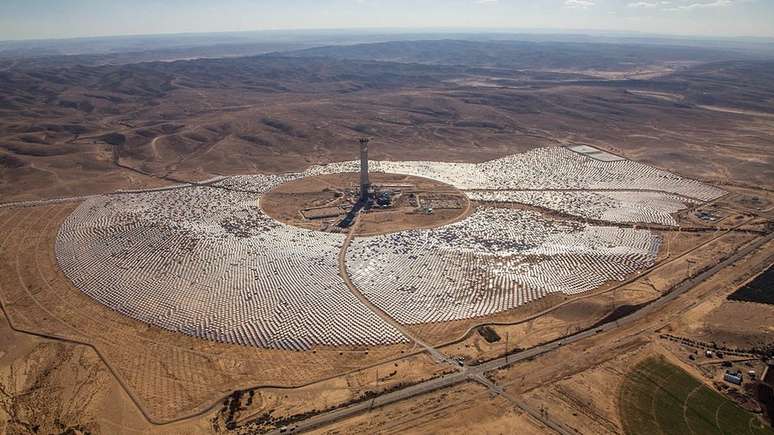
27, 19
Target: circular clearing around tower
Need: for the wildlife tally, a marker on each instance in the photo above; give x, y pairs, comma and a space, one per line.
396, 203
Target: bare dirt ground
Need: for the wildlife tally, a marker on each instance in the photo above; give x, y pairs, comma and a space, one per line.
332, 193
278, 404
50, 387
461, 409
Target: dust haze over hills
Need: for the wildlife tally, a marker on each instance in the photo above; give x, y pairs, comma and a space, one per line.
112, 116
144, 48
519, 54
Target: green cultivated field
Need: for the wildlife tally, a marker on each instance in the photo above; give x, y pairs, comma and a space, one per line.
660, 398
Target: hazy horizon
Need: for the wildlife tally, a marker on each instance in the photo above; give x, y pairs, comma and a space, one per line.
49, 19
515, 31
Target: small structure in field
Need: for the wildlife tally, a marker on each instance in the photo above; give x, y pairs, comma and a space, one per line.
733, 377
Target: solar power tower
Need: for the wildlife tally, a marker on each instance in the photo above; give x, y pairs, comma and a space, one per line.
365, 185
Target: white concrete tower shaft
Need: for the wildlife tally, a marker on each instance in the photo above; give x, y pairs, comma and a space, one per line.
364, 182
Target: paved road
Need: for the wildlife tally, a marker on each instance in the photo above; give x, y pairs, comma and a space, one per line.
476, 373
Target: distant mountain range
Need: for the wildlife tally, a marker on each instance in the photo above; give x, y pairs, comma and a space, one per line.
145, 48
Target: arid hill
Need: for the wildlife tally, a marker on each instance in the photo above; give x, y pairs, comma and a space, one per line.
86, 129
523, 54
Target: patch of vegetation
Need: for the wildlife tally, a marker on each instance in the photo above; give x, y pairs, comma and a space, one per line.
74, 128
765, 395
36, 150
364, 128
84, 106
255, 140
33, 399
266, 421
10, 161
489, 334
226, 416
281, 126
760, 290
478, 124
114, 138
658, 397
